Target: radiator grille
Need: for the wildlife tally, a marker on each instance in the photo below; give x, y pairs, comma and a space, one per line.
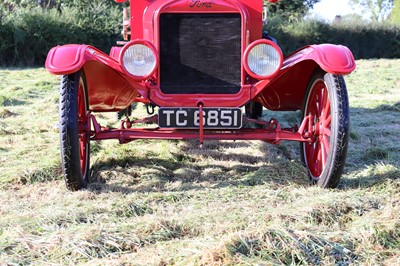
200, 53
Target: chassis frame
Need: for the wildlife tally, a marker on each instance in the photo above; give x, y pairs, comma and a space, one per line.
271, 133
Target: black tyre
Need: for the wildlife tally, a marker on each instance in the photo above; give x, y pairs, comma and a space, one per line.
253, 110
74, 137
327, 101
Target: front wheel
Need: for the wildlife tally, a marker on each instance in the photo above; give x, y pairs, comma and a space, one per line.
326, 103
74, 137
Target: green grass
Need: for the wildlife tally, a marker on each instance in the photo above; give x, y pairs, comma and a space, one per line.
171, 203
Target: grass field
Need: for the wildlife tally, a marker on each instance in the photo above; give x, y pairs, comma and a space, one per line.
171, 203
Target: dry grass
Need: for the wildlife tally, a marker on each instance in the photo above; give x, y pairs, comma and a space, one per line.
171, 203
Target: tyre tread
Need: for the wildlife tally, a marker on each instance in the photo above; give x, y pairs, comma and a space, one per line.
69, 133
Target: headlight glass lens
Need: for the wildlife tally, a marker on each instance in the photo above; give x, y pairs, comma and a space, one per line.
139, 60
263, 60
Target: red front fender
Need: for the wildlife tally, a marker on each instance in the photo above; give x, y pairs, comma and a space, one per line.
286, 90
67, 59
109, 88
335, 59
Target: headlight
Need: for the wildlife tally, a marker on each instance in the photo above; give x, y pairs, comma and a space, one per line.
263, 59
139, 58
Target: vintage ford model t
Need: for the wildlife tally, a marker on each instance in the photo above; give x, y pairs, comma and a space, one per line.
209, 70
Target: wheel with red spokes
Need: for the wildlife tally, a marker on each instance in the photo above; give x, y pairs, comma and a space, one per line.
74, 130
326, 103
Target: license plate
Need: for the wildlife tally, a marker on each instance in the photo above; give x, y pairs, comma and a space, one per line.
189, 118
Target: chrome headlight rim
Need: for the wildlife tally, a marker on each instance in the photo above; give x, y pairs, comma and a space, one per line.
148, 45
248, 51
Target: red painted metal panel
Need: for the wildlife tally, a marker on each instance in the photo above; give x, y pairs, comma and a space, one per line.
143, 12
251, 12
335, 59
65, 59
286, 90
107, 89
115, 52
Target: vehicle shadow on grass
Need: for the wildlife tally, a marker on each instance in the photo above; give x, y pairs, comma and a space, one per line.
7, 102
217, 169
373, 159
374, 148
370, 180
